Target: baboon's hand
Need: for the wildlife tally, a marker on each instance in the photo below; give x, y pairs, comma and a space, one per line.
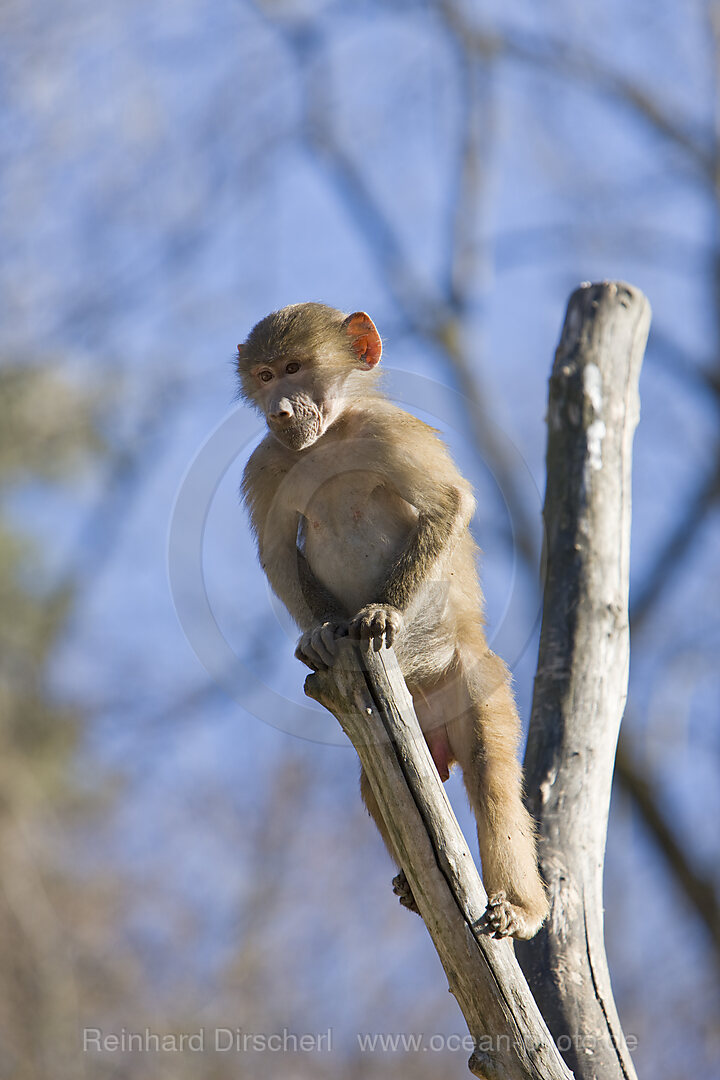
316, 647
376, 623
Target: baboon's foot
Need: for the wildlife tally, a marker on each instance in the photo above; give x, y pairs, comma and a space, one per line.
402, 889
504, 919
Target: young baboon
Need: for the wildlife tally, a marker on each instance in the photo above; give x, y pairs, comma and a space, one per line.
361, 520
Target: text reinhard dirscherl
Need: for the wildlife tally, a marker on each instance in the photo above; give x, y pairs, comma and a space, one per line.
224, 1040
221, 1039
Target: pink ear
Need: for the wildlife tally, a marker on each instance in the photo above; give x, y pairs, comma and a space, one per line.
364, 338
241, 348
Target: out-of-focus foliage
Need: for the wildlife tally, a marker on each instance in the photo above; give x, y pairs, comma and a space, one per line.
47, 426
46, 430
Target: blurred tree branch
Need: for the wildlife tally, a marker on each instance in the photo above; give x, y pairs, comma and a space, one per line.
127, 464
437, 315
567, 60
699, 890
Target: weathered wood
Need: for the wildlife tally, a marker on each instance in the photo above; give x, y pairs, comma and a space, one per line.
367, 693
580, 691
581, 681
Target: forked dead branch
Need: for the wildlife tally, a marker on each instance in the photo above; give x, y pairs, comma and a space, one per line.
580, 692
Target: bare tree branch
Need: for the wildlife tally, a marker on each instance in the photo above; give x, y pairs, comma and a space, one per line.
581, 681
367, 694
581, 686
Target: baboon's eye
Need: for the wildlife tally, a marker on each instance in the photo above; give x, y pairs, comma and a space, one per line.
292, 367
266, 376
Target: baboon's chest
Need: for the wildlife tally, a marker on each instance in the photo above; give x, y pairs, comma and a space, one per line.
352, 531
